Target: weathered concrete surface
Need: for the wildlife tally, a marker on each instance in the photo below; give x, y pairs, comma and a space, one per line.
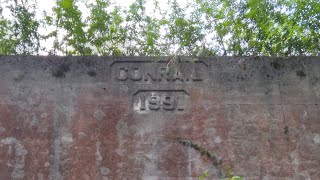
107, 118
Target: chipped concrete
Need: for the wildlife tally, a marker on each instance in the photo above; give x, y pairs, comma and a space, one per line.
18, 153
2, 129
99, 115
67, 138
316, 139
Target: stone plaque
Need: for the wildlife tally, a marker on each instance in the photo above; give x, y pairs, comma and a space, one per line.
145, 118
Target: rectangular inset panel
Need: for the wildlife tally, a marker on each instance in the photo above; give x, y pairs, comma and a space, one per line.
146, 101
160, 72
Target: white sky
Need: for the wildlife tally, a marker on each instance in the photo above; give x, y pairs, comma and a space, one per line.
47, 5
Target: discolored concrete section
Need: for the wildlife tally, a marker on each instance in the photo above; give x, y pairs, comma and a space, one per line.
122, 118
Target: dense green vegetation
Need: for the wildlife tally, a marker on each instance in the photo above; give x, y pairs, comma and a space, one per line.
152, 28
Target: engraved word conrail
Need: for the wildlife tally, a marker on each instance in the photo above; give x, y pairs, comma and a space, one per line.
148, 72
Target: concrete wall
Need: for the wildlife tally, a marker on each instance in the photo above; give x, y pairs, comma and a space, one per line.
124, 118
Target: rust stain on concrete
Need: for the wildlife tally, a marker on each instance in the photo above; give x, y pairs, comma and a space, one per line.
106, 118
